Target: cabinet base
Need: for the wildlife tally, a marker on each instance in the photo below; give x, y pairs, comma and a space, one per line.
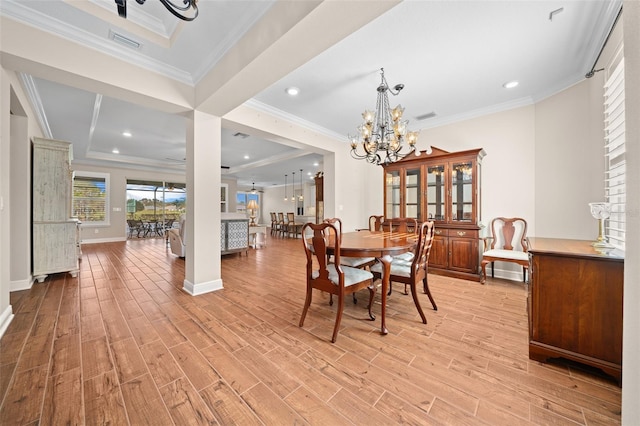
542, 353
455, 274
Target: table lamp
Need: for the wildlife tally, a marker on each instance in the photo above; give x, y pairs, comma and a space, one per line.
252, 207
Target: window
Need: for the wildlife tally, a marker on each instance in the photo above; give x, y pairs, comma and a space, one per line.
614, 151
242, 200
90, 198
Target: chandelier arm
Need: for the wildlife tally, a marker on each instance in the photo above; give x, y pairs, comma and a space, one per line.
173, 8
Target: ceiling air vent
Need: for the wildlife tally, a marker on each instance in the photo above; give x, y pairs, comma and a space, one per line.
241, 135
124, 40
425, 116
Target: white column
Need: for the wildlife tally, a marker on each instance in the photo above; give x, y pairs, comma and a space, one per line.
202, 236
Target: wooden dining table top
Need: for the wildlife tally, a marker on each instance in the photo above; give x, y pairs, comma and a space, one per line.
376, 243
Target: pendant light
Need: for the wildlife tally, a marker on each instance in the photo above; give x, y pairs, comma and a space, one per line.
285, 187
301, 198
293, 187
253, 188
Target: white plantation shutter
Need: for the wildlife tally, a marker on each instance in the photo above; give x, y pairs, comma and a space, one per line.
90, 198
614, 152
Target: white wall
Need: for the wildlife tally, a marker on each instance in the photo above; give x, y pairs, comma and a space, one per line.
569, 161
508, 139
631, 323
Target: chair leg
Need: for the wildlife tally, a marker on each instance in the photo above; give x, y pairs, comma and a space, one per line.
338, 318
483, 279
524, 274
414, 294
390, 288
307, 303
425, 288
493, 267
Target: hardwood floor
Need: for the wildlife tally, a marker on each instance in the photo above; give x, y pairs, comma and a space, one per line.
123, 344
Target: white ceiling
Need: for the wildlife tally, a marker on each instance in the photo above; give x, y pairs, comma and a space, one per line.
452, 56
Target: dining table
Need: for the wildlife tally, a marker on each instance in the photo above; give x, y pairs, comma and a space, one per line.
382, 245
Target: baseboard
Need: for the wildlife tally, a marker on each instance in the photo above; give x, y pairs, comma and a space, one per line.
104, 240
202, 288
20, 285
506, 274
5, 319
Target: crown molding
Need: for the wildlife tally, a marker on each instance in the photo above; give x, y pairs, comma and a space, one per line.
21, 13
268, 109
35, 100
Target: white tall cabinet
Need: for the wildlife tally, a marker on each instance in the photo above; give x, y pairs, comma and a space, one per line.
54, 232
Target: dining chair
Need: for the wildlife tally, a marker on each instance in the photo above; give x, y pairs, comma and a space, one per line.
354, 262
375, 222
410, 272
282, 224
401, 225
331, 277
293, 228
274, 223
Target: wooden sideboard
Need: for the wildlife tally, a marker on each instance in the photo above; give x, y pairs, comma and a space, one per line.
575, 303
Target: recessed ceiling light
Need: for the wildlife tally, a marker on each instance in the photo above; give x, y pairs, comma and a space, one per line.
315, 164
510, 84
246, 157
126, 134
292, 91
115, 151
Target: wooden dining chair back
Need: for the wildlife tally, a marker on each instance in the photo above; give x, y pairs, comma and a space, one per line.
400, 224
509, 243
274, 223
282, 225
354, 262
293, 228
375, 222
416, 270
332, 277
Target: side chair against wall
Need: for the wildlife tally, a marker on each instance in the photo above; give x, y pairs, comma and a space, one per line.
293, 228
331, 277
410, 272
354, 262
509, 243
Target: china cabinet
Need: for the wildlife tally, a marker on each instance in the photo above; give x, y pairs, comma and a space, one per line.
55, 241
443, 187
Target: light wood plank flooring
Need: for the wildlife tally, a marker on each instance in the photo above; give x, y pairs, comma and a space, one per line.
123, 344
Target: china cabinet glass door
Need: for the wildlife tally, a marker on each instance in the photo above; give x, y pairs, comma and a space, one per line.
462, 192
392, 194
435, 193
413, 193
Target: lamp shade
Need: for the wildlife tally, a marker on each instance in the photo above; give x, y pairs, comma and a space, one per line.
253, 205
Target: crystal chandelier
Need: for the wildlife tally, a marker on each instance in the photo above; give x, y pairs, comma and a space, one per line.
188, 11
383, 130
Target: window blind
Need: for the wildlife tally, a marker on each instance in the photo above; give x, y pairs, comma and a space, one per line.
614, 152
89, 198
